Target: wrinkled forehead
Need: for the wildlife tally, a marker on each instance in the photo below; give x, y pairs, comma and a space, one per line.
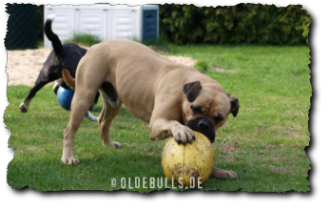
213, 96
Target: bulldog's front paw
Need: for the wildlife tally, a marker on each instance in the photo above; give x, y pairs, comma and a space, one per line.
182, 134
23, 108
223, 174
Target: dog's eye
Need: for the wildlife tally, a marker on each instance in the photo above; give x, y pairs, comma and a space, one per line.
218, 119
196, 110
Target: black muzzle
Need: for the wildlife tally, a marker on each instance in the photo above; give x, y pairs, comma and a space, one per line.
204, 126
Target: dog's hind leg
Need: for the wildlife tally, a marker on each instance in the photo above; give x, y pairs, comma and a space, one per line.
223, 174
111, 107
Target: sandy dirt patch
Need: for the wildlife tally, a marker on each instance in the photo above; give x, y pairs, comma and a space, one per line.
23, 66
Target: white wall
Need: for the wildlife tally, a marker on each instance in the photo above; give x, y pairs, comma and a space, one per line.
103, 20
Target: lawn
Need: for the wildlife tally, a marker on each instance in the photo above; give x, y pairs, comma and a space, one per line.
265, 144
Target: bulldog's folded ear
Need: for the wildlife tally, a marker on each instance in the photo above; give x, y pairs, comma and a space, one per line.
192, 90
234, 105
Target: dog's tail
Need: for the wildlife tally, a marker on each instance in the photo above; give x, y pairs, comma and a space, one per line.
68, 79
56, 42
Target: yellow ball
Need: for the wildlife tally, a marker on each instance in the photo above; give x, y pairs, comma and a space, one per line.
193, 162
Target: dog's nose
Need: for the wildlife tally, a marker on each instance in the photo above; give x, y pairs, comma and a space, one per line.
203, 124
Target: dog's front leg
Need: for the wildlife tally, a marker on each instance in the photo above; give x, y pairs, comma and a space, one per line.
24, 106
67, 154
43, 79
162, 129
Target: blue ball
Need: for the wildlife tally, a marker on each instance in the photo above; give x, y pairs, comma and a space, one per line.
64, 97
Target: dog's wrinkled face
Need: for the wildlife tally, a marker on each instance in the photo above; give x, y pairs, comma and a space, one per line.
206, 107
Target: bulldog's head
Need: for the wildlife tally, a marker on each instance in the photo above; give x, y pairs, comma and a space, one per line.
206, 107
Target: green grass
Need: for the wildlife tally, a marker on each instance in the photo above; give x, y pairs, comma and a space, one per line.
85, 39
264, 144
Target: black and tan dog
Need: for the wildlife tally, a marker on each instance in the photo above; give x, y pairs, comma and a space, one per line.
62, 56
172, 98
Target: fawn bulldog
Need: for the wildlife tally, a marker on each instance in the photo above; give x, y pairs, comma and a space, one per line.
173, 98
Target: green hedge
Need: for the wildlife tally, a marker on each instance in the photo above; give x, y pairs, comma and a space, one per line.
243, 23
22, 28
